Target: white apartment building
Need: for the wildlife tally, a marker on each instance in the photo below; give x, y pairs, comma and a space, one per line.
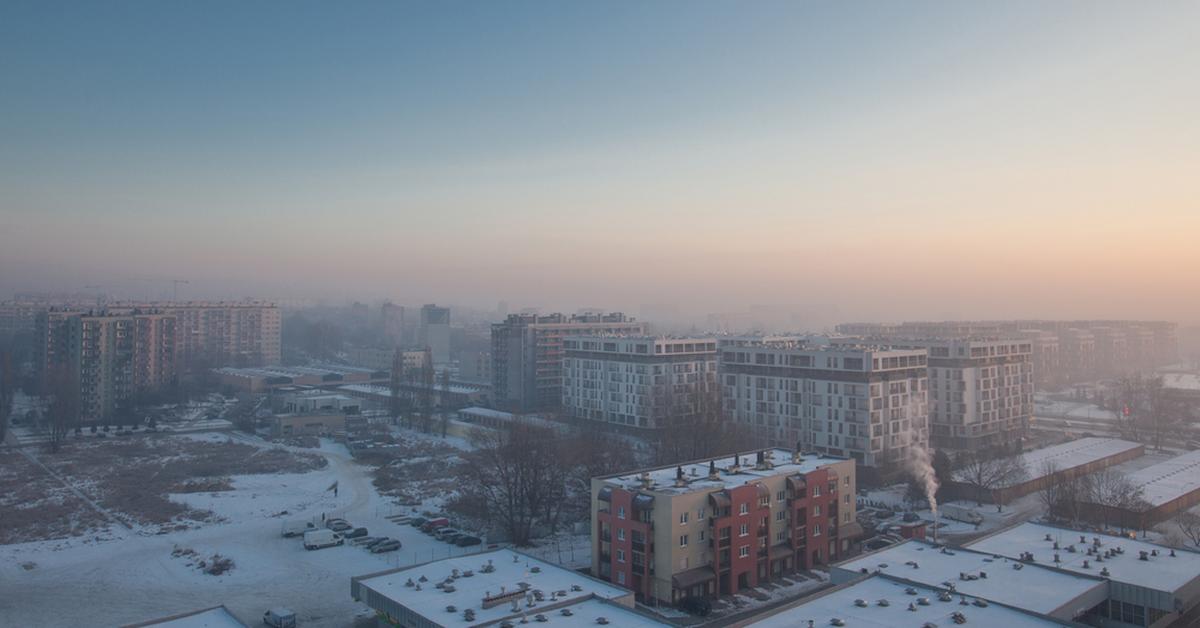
862, 402
980, 390
638, 381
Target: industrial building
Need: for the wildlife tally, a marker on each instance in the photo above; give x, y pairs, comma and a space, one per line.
1069, 460
716, 527
262, 379
501, 587
884, 601
1166, 488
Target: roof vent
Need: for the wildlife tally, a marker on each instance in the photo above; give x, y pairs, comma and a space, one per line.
861, 603
1143, 555
566, 612
958, 618
945, 596
923, 601
837, 621
602, 620
981, 603
912, 607
1104, 572
883, 602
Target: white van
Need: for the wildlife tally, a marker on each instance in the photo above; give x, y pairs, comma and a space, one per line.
297, 527
318, 539
960, 513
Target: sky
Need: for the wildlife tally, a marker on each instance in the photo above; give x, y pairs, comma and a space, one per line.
875, 160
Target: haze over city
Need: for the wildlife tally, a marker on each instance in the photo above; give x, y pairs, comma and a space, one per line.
657, 314
1040, 158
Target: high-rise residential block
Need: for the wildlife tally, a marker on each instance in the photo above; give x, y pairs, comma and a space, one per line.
527, 355
640, 382
434, 332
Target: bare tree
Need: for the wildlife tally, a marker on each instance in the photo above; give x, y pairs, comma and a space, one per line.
987, 472
1189, 524
516, 474
63, 413
395, 407
1113, 491
444, 405
8, 389
1051, 494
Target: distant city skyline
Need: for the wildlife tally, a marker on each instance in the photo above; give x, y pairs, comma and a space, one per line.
871, 161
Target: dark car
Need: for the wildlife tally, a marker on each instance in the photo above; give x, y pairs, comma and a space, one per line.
382, 539
417, 522
355, 533
387, 546
467, 540
453, 537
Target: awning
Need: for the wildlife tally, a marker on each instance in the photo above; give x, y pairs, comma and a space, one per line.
693, 577
642, 501
721, 499
781, 551
763, 491
605, 494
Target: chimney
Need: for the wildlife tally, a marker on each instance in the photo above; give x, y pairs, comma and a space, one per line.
712, 470
760, 462
680, 481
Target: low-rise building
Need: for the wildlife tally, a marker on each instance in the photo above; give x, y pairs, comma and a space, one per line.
719, 526
215, 617
307, 424
1166, 488
492, 588
1148, 584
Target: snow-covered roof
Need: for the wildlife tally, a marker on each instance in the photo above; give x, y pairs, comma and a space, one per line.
217, 617
1182, 381
510, 572
1031, 587
1069, 455
696, 473
857, 605
1161, 573
1168, 480
379, 389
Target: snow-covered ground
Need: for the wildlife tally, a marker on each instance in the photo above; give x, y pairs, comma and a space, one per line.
1048, 407
130, 575
1018, 510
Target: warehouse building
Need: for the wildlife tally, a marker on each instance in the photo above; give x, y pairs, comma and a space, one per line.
1167, 488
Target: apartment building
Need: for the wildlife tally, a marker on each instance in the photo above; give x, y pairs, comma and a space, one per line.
863, 402
638, 382
1047, 363
113, 356
391, 322
434, 332
219, 333
980, 390
716, 527
527, 355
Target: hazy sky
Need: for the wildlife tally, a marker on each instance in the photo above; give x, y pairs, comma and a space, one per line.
891, 160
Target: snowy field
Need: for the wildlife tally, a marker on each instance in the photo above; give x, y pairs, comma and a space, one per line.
124, 576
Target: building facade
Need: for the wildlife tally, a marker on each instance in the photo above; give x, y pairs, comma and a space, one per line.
527, 355
716, 527
434, 332
980, 391
862, 402
219, 333
638, 382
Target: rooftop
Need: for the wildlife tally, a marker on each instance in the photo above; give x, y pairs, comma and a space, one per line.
509, 572
1162, 572
858, 605
1181, 381
216, 617
1032, 587
696, 473
1072, 454
1168, 480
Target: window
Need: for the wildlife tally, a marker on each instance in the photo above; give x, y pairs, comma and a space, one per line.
846, 499
846, 481
683, 518
620, 512
683, 563
620, 577
700, 514
743, 551
743, 530
620, 534
780, 496
817, 491
816, 529
816, 510
620, 555
744, 508
702, 535
779, 516
683, 541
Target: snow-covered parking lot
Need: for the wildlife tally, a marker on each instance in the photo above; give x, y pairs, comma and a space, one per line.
124, 576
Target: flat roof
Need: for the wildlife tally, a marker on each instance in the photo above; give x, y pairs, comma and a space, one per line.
843, 603
510, 569
1181, 381
1161, 573
663, 478
1032, 587
1168, 480
1070, 455
216, 617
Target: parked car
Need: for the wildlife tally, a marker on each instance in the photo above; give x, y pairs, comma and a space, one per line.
366, 541
378, 540
442, 533
452, 537
318, 539
434, 525
339, 526
296, 528
387, 546
330, 522
417, 522
467, 540
280, 618
356, 533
